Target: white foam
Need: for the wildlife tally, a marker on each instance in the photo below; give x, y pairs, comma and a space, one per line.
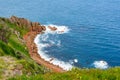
45, 37
71, 62
59, 43
75, 60
101, 64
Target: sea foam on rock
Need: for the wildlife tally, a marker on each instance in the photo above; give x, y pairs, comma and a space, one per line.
55, 29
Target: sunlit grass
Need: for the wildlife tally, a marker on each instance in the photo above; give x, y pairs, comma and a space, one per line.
77, 74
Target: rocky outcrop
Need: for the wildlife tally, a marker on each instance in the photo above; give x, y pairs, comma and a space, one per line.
33, 26
20, 21
52, 28
24, 23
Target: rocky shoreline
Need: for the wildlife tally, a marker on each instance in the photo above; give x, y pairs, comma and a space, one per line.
34, 28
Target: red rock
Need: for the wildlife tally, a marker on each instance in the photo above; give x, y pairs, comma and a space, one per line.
52, 28
22, 22
43, 28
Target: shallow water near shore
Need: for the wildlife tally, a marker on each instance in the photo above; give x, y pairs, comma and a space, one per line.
94, 27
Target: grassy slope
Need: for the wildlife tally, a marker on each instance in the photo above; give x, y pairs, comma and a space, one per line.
16, 49
32, 71
77, 74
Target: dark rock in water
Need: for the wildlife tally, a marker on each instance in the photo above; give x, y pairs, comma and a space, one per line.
52, 28
43, 28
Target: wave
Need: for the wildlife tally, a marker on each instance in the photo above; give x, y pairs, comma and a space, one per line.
44, 40
100, 64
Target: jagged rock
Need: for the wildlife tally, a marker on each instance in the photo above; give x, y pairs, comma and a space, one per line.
52, 28
43, 28
35, 24
22, 22
40, 29
12, 19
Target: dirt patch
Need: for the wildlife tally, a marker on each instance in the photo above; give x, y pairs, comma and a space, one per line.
9, 67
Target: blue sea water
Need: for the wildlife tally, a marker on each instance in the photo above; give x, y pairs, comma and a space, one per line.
94, 27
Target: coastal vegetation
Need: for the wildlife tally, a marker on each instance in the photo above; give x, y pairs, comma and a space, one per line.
16, 62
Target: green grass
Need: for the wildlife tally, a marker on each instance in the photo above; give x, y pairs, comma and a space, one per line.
24, 77
17, 45
22, 30
86, 74
15, 48
2, 65
29, 66
76, 74
4, 48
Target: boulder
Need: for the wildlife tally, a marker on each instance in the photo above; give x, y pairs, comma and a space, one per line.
52, 28
43, 28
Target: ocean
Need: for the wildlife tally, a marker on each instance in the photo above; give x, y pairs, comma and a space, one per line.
91, 37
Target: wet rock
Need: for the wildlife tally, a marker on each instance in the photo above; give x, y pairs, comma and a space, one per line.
43, 28
52, 28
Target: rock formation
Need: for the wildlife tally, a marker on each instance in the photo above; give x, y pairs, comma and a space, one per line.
24, 23
52, 28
